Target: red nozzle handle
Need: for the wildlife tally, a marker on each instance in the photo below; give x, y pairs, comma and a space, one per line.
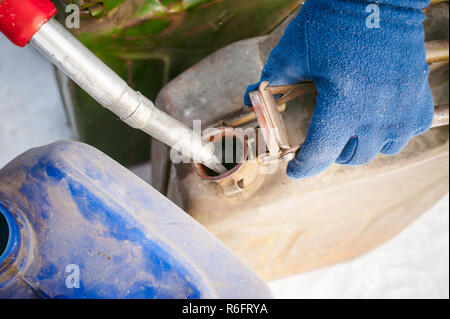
21, 19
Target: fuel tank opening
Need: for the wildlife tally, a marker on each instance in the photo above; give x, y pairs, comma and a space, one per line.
230, 149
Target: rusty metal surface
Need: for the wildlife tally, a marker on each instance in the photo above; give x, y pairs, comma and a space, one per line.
440, 116
437, 51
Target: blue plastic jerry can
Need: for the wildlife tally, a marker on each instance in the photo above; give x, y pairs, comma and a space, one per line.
82, 226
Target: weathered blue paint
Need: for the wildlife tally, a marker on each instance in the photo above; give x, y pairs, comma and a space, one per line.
69, 204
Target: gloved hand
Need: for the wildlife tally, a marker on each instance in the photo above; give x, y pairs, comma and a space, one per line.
373, 93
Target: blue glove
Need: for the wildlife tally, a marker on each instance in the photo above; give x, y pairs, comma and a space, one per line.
373, 93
